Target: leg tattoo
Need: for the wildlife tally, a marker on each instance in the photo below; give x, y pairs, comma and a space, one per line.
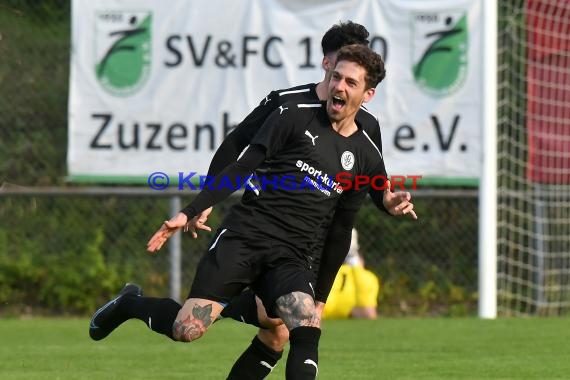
193, 326
297, 309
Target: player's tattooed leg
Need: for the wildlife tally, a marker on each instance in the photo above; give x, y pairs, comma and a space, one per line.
297, 309
191, 326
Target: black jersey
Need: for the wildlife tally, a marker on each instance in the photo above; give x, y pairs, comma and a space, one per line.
298, 189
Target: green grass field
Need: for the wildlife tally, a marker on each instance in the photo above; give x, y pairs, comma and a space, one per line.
350, 350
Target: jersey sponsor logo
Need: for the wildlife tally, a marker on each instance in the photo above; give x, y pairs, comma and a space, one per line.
281, 109
347, 160
319, 180
307, 133
123, 50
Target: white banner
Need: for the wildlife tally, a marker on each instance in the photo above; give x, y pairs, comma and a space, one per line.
156, 85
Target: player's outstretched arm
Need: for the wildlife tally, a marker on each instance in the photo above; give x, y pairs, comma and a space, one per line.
208, 197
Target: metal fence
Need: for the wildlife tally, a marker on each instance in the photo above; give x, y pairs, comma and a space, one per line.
98, 236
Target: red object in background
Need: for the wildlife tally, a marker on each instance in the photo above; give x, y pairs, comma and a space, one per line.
548, 92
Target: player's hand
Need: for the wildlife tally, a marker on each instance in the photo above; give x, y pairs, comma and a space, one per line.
398, 203
198, 223
165, 231
264, 320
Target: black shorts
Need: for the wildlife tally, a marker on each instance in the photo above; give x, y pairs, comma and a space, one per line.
235, 261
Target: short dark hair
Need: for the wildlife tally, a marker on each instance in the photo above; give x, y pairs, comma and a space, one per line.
367, 58
342, 34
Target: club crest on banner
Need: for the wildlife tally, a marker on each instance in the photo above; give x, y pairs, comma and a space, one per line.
439, 51
123, 50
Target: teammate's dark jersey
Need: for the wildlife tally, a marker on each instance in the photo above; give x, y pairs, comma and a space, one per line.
299, 187
243, 134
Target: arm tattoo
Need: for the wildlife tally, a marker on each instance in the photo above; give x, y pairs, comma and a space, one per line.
297, 309
194, 326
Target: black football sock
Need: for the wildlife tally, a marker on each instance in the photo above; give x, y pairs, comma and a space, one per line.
256, 362
303, 359
159, 314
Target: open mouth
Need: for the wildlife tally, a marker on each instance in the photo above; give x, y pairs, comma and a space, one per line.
338, 102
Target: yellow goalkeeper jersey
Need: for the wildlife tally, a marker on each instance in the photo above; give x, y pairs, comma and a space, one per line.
353, 286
